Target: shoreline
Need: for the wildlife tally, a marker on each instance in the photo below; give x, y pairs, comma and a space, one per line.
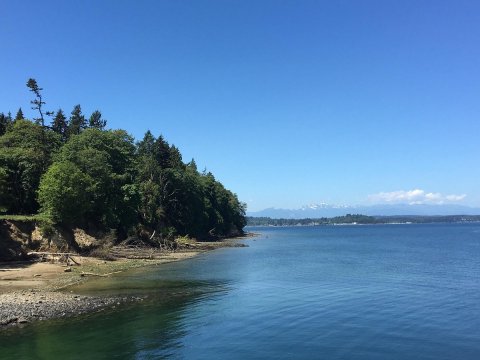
38, 291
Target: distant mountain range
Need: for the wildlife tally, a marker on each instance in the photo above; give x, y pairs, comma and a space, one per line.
326, 210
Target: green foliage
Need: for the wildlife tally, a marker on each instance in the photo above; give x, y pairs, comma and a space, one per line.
37, 217
5, 123
25, 152
96, 120
5, 196
78, 174
176, 196
60, 125
64, 193
19, 115
77, 121
46, 225
105, 160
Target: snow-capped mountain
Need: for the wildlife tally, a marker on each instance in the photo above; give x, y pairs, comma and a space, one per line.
327, 210
322, 206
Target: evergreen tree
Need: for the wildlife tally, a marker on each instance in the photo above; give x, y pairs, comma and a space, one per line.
59, 124
19, 115
146, 146
175, 158
77, 121
96, 121
5, 122
176, 199
192, 165
101, 178
149, 183
37, 102
162, 152
5, 195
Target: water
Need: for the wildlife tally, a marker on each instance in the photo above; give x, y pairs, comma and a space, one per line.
343, 292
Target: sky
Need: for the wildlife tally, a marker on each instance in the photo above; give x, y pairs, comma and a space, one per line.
287, 103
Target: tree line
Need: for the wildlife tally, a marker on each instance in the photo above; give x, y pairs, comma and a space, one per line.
76, 173
363, 220
347, 219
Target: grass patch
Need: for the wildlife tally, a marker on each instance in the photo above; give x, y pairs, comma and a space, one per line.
36, 217
184, 240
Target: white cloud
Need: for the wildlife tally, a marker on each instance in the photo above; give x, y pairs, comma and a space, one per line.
414, 197
455, 197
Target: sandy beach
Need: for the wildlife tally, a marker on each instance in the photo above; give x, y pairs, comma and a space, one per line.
33, 291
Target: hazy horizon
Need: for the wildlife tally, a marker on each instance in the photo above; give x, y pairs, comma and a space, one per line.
379, 209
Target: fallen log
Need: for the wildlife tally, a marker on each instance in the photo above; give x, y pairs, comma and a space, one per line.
72, 260
46, 253
101, 275
61, 255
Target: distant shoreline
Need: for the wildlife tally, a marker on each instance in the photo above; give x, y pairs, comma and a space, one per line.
358, 219
346, 224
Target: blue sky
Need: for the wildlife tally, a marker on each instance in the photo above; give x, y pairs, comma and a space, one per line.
286, 102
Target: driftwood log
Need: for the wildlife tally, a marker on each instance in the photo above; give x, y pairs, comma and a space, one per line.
62, 257
101, 275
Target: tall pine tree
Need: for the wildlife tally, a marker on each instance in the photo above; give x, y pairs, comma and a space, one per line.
77, 121
5, 122
38, 101
19, 115
60, 125
96, 121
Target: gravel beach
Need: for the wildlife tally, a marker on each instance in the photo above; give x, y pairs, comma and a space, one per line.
33, 305
31, 292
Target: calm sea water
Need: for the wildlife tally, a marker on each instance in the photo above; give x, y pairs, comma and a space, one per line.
343, 292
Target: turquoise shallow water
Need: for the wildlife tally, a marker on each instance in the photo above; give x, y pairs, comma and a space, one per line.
339, 292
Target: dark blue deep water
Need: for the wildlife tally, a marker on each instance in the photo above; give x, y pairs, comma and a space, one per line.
336, 292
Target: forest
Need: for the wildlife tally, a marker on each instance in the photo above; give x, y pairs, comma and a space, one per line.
74, 172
